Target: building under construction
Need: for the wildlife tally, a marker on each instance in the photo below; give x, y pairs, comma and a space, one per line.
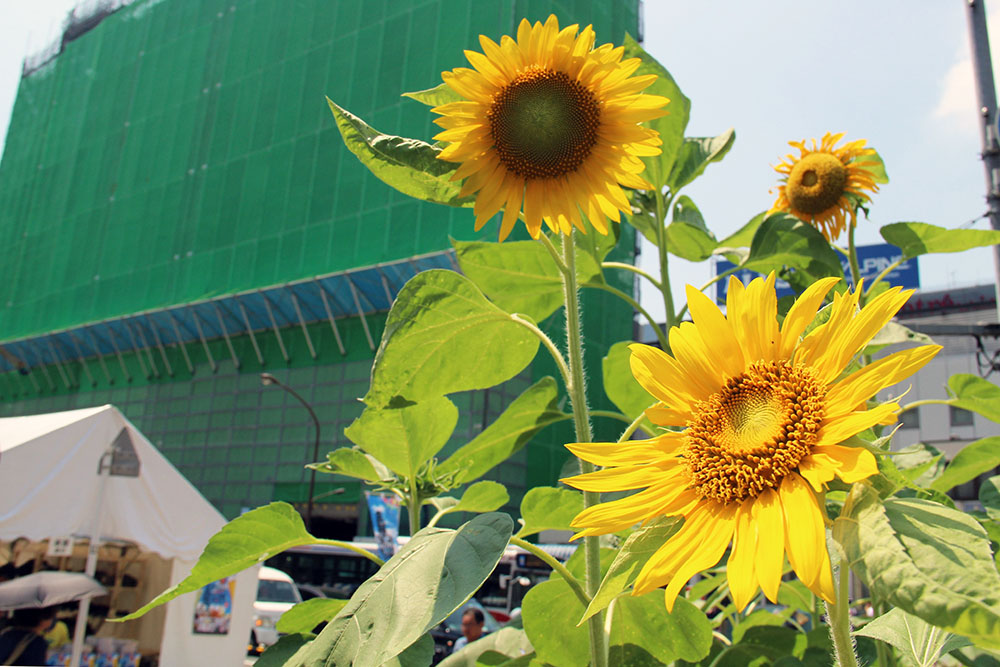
179, 215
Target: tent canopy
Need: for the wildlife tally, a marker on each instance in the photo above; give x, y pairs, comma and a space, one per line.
49, 484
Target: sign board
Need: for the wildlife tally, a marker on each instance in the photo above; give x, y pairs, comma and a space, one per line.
872, 260
60, 546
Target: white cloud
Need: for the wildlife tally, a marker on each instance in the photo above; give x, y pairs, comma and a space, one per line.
957, 102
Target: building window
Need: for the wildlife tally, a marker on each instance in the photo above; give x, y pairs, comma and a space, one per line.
910, 418
960, 417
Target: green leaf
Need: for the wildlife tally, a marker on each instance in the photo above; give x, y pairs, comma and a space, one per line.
597, 246
418, 654
920, 238
619, 384
353, 462
894, 333
976, 394
438, 331
671, 127
743, 237
632, 555
533, 410
246, 540
876, 170
687, 235
756, 619
436, 96
285, 651
971, 461
920, 463
404, 438
409, 165
548, 508
696, 154
927, 559
520, 276
546, 612
989, 496
914, 638
795, 595
305, 616
507, 641
784, 241
485, 496
432, 575
643, 623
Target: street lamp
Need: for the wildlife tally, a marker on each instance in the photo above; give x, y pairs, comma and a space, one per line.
267, 379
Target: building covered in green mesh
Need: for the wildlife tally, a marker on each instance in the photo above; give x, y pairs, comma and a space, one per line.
179, 214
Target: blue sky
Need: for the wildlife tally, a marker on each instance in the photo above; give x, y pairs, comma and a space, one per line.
894, 72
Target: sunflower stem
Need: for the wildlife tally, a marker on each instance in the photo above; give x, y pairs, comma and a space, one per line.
635, 306
839, 618
634, 269
633, 427
556, 257
885, 272
549, 345
556, 566
926, 401
661, 242
413, 506
852, 257
578, 396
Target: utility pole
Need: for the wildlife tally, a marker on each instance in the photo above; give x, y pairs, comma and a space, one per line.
986, 96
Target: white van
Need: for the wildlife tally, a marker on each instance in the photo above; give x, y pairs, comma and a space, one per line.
276, 594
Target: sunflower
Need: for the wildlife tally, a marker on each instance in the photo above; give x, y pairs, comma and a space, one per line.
549, 125
817, 183
763, 412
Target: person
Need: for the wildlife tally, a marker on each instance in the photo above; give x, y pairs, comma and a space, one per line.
472, 628
22, 643
58, 635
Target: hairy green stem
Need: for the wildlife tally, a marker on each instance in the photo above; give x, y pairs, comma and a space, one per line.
661, 242
361, 551
885, 272
636, 424
556, 566
581, 419
635, 306
926, 401
556, 257
549, 345
840, 620
633, 269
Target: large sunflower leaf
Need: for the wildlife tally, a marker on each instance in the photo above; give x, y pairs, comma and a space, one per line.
533, 410
619, 384
913, 637
971, 461
484, 496
927, 559
305, 616
976, 394
989, 496
352, 462
245, 541
548, 508
596, 245
403, 438
920, 238
520, 276
696, 154
285, 650
894, 333
641, 628
634, 553
431, 576
436, 336
671, 127
436, 96
688, 236
409, 165
783, 241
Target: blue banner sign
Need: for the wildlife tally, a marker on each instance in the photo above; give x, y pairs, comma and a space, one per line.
384, 510
872, 260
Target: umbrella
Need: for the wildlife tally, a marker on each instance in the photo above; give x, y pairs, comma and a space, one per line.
44, 589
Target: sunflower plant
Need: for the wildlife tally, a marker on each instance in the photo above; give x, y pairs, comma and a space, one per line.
753, 478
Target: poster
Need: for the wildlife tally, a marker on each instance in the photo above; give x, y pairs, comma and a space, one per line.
384, 510
214, 609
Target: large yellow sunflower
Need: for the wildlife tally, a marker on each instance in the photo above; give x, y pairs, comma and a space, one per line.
763, 411
549, 125
817, 183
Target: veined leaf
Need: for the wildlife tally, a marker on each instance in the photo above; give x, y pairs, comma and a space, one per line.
989, 496
508, 641
353, 462
971, 461
876, 170
404, 438
915, 639
976, 394
696, 154
927, 559
894, 333
439, 330
688, 236
285, 650
920, 238
641, 627
246, 540
520, 276
305, 616
533, 410
484, 496
548, 508
409, 165
436, 96
671, 127
430, 577
784, 241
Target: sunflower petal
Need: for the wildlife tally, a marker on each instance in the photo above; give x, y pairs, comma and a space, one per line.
740, 566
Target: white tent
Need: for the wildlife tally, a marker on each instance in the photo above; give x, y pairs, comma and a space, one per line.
50, 487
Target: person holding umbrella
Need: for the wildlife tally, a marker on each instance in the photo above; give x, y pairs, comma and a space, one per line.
22, 643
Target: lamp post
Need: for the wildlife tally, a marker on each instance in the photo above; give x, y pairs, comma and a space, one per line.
267, 379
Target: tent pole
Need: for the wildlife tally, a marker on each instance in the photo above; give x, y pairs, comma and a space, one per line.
103, 471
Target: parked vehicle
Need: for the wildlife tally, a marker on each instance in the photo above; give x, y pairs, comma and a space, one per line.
276, 594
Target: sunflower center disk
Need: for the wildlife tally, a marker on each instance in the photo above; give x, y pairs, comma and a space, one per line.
816, 183
544, 124
751, 434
